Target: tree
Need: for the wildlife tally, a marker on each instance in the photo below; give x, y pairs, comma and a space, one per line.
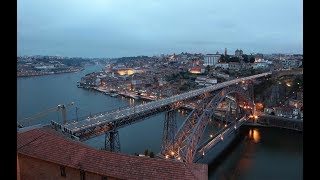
208, 68
251, 59
151, 154
222, 58
234, 59
245, 58
184, 87
146, 152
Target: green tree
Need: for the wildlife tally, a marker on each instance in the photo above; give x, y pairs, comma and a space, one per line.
234, 59
151, 154
224, 58
245, 58
208, 68
251, 60
227, 58
146, 152
184, 87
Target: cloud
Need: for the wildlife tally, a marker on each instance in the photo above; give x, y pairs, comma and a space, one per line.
104, 28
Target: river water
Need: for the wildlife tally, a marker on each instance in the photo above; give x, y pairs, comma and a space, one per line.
257, 153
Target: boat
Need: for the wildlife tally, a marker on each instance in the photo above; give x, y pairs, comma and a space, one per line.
114, 94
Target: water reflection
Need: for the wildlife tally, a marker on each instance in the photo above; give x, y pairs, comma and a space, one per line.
131, 102
254, 135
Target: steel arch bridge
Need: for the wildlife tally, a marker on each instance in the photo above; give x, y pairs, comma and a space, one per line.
186, 142
110, 122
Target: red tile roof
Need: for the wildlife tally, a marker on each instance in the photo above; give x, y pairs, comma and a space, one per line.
48, 145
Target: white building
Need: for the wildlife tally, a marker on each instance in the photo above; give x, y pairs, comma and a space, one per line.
291, 63
260, 65
222, 65
204, 81
211, 59
45, 67
98, 81
235, 65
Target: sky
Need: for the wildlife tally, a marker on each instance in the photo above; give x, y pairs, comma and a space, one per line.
119, 28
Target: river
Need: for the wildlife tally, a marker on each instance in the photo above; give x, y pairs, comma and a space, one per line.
258, 153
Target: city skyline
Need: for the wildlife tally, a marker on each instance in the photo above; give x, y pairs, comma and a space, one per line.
123, 28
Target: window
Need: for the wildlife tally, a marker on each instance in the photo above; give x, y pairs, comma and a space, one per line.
104, 178
63, 171
82, 175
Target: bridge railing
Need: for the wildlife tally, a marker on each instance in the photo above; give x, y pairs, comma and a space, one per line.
110, 116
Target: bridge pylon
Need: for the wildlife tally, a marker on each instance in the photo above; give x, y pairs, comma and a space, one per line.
112, 141
169, 130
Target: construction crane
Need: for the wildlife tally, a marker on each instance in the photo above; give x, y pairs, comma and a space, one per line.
60, 107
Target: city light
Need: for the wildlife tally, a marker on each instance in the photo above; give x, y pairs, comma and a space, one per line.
172, 153
211, 135
167, 156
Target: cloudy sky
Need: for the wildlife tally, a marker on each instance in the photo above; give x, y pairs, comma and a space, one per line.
117, 28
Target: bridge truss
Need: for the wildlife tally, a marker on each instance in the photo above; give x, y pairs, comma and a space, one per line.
187, 139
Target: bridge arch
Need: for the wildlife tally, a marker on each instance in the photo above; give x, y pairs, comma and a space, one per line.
186, 144
246, 94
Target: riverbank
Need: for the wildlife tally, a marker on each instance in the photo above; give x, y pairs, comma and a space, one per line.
277, 122
32, 74
113, 93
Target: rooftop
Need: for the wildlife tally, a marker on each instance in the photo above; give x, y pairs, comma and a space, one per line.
46, 144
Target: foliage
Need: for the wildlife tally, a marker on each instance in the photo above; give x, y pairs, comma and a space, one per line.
233, 59
245, 58
224, 58
208, 68
177, 76
251, 60
151, 154
146, 152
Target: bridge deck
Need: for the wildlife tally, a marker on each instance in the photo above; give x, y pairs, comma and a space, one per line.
112, 117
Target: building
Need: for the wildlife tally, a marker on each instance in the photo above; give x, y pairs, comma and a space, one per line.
44, 154
284, 111
260, 65
204, 81
268, 110
197, 70
211, 59
300, 95
258, 56
238, 53
291, 63
235, 66
222, 65
295, 103
45, 67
